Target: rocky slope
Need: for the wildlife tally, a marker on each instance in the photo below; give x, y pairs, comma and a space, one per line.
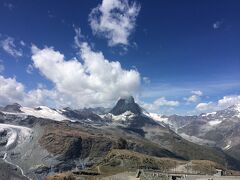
120, 161
217, 129
46, 141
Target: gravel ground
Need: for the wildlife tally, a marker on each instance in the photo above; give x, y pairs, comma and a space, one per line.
212, 178
122, 176
132, 176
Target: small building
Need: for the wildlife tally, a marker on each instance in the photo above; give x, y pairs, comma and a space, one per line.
219, 172
138, 174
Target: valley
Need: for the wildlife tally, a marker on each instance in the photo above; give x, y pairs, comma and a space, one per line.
38, 142
119, 90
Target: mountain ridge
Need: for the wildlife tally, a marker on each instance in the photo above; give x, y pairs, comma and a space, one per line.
68, 138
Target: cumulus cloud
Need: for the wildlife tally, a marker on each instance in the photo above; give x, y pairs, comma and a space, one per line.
9, 46
194, 97
10, 90
158, 103
88, 80
227, 101
93, 81
223, 103
41, 96
114, 20
205, 106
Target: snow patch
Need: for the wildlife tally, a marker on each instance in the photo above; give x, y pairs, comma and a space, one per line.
209, 114
44, 112
16, 134
237, 108
214, 122
122, 117
227, 147
157, 117
1, 130
12, 138
196, 140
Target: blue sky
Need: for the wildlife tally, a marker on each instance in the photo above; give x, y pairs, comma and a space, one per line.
178, 56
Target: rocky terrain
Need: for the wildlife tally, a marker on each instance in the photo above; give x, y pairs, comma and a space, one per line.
216, 129
123, 164
39, 142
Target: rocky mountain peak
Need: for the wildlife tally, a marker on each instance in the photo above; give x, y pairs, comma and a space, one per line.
233, 110
12, 108
126, 104
128, 99
236, 107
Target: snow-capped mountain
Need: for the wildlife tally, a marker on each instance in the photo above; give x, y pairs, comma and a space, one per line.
39, 112
65, 114
15, 108
126, 104
220, 128
44, 112
40, 141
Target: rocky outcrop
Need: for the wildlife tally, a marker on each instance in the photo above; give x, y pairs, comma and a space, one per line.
15, 108
80, 142
74, 143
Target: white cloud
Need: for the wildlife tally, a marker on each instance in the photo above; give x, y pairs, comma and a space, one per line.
29, 69
194, 97
10, 47
42, 96
227, 101
10, 91
217, 24
146, 80
162, 101
8, 5
50, 14
22, 43
114, 20
223, 103
92, 82
205, 106
198, 93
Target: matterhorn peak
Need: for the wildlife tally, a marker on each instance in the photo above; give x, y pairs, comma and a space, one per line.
128, 99
126, 104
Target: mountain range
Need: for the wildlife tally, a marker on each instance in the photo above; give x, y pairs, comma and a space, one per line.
38, 142
218, 129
